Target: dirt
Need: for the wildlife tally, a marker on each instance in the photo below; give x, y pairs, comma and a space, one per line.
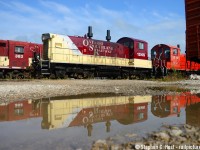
15, 90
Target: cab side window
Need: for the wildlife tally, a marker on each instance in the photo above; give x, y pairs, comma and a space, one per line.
126, 44
141, 45
175, 51
19, 49
2, 44
153, 54
167, 53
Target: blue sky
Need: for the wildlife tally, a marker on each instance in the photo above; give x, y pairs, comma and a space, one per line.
155, 21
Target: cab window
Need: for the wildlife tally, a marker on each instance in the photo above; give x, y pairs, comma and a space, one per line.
126, 44
2, 44
129, 44
167, 53
19, 49
141, 46
153, 54
175, 51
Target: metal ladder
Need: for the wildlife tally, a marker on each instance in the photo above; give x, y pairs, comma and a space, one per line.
45, 67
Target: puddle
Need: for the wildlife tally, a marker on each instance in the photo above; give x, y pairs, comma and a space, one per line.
76, 122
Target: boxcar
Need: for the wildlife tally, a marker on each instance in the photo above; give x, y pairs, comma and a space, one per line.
192, 9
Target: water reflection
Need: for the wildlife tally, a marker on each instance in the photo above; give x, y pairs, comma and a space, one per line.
19, 110
82, 120
85, 112
65, 112
170, 105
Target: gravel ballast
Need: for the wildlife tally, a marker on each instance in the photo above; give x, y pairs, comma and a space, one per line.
15, 90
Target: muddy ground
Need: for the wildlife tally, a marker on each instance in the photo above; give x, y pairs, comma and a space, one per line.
15, 90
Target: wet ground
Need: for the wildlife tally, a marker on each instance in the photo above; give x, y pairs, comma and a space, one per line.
75, 122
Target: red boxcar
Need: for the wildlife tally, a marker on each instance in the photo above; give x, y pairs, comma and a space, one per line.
16, 57
192, 9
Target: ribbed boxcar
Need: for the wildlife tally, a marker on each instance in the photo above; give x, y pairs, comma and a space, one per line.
16, 57
192, 10
167, 58
81, 57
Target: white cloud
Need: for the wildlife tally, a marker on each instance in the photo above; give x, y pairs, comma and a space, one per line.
25, 22
56, 7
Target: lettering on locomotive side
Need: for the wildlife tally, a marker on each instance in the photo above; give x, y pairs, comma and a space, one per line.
141, 107
18, 56
97, 46
141, 54
97, 114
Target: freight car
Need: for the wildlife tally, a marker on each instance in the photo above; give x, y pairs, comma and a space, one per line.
192, 9
16, 58
83, 57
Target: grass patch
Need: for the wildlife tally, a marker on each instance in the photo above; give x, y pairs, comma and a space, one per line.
174, 76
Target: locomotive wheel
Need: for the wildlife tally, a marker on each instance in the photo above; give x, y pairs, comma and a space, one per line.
8, 76
60, 73
19, 76
80, 76
52, 76
125, 76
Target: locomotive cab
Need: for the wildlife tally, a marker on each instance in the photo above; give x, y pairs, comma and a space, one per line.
165, 58
137, 48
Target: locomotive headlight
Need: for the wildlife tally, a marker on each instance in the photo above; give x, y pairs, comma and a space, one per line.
45, 36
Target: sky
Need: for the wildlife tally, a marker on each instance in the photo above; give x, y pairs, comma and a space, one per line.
155, 21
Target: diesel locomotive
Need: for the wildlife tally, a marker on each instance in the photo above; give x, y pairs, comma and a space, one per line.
16, 58
83, 57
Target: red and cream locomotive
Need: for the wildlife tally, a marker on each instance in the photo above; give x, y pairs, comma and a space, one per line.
81, 57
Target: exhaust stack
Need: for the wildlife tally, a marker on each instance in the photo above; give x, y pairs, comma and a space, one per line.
90, 34
108, 37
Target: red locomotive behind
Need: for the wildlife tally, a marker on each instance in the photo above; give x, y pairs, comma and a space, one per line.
167, 58
16, 57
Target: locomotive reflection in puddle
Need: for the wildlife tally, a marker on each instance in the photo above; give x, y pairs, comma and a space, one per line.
170, 105
64, 112
88, 111
19, 110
